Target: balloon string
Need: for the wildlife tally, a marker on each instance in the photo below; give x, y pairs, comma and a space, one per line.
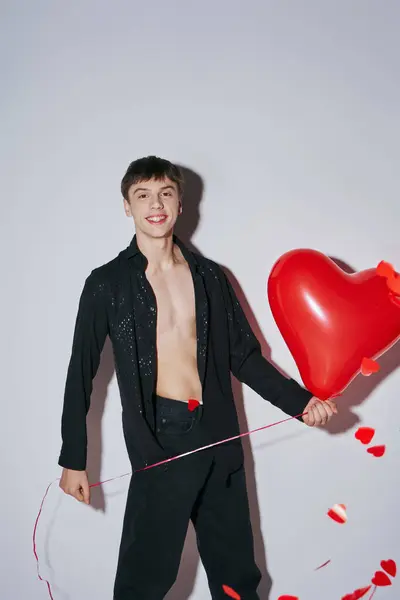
235, 437
373, 593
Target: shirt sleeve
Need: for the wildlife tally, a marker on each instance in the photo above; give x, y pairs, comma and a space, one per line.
91, 329
249, 366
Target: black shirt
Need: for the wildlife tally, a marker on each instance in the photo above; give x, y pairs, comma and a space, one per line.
117, 300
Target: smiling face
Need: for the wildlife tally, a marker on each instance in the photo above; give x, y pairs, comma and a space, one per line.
154, 206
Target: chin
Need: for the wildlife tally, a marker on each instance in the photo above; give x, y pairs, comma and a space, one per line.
158, 232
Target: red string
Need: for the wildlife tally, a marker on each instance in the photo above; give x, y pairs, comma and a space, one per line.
34, 541
145, 469
373, 593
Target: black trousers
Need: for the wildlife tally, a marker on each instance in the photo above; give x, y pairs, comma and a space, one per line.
207, 487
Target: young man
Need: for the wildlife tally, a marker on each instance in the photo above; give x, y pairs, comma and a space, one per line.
178, 331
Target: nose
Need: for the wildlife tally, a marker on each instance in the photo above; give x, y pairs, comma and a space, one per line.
157, 202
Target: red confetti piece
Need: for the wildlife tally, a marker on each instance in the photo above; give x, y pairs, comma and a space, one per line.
193, 404
361, 592
394, 284
323, 565
377, 451
286, 597
364, 434
389, 566
380, 579
369, 366
230, 592
338, 513
394, 299
385, 269
357, 594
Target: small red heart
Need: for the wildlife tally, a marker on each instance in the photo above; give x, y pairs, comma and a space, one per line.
377, 451
380, 579
369, 366
364, 434
230, 592
389, 566
193, 404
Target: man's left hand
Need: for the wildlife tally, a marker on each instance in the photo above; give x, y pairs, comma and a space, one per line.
319, 412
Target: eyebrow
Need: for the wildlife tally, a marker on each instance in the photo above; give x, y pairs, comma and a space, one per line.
165, 187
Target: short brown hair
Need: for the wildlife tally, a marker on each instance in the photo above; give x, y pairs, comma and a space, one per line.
151, 167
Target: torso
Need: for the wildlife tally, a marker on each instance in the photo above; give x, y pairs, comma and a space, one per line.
177, 373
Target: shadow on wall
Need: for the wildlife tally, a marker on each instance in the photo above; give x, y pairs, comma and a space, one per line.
359, 390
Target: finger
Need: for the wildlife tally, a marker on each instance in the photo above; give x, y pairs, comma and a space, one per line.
333, 406
329, 410
86, 492
320, 414
309, 417
77, 494
325, 412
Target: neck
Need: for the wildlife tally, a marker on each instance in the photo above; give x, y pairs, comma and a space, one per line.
161, 253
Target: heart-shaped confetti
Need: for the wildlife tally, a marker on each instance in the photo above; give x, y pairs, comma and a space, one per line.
193, 404
394, 284
357, 594
230, 592
323, 565
338, 513
389, 566
377, 451
380, 579
364, 434
395, 298
385, 269
361, 592
369, 366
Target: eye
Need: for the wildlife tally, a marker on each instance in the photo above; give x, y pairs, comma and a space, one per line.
142, 196
167, 193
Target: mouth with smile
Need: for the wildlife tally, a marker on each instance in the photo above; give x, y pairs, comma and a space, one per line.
157, 219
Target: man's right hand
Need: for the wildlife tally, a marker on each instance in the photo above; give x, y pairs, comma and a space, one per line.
75, 483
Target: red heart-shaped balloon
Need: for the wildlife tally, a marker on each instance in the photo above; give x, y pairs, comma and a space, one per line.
389, 566
380, 579
330, 320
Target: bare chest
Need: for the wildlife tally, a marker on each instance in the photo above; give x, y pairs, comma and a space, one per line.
174, 292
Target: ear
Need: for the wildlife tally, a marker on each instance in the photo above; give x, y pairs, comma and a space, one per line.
180, 208
127, 208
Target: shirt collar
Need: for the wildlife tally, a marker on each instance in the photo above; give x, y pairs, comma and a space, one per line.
133, 251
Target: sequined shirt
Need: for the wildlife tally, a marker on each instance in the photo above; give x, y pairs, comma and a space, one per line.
118, 301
